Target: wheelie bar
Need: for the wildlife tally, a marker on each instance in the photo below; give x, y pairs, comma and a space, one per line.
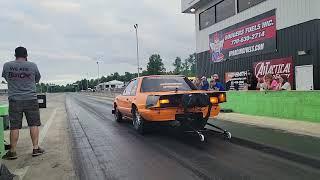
198, 132
226, 133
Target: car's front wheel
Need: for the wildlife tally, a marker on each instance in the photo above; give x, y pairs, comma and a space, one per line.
138, 122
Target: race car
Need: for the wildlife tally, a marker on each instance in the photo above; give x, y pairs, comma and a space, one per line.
173, 100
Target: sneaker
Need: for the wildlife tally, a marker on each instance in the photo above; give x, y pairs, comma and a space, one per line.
7, 147
10, 156
37, 152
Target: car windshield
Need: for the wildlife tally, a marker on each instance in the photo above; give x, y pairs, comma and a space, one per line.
165, 83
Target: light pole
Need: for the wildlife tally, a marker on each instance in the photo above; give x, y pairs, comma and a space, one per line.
136, 28
40, 88
98, 73
87, 81
47, 88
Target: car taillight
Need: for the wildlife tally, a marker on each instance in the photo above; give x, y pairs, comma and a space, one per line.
222, 98
214, 100
164, 101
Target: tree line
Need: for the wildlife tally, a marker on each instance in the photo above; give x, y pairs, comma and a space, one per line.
155, 66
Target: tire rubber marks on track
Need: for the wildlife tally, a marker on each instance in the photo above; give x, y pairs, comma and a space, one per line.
88, 166
166, 152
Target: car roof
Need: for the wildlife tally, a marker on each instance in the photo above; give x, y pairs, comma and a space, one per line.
142, 77
163, 76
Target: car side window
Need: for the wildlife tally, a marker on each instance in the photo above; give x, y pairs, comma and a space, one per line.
127, 90
134, 88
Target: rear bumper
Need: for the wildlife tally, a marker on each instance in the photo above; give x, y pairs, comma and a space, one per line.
169, 114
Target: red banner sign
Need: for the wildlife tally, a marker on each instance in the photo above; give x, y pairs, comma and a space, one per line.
251, 37
275, 67
257, 31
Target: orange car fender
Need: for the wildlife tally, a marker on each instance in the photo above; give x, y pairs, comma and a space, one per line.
140, 101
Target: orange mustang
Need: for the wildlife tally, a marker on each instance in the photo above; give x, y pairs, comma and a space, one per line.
171, 99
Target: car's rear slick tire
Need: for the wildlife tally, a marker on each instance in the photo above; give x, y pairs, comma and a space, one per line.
138, 122
117, 115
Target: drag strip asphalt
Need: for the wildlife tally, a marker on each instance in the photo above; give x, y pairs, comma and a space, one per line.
299, 148
105, 149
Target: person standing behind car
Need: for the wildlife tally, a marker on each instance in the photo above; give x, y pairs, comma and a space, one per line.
204, 84
267, 83
283, 83
218, 85
252, 81
22, 77
197, 82
275, 83
215, 77
212, 85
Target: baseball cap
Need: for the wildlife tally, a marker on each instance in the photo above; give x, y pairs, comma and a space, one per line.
215, 75
21, 52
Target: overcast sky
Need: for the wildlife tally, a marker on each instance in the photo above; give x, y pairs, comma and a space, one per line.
65, 37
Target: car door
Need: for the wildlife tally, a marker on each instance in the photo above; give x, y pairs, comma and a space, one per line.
129, 97
132, 97
122, 100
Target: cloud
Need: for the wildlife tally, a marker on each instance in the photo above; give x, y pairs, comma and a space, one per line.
65, 79
66, 37
60, 56
23, 20
60, 6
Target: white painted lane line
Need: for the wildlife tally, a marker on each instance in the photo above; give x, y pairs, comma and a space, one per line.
46, 127
21, 172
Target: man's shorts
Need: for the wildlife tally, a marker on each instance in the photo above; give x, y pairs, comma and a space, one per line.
30, 108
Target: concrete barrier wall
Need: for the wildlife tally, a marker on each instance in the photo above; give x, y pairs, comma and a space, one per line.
3, 112
105, 94
298, 105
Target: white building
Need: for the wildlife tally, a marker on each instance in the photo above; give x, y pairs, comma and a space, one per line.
241, 35
110, 85
114, 84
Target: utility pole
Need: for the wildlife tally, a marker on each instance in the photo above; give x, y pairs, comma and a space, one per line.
137, 39
98, 73
87, 81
